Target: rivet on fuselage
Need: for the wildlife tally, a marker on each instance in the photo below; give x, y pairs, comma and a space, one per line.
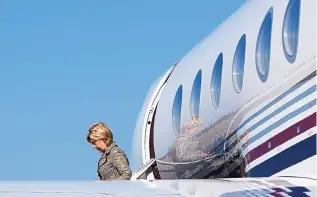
269, 145
298, 129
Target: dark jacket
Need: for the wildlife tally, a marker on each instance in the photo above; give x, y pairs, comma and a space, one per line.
113, 164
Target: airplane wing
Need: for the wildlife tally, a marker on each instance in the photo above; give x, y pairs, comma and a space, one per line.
291, 186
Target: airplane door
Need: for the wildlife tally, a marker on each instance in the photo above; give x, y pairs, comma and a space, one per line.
148, 149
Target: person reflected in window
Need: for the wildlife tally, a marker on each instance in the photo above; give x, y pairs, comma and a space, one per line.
113, 163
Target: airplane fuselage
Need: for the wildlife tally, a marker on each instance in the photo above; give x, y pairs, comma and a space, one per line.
241, 103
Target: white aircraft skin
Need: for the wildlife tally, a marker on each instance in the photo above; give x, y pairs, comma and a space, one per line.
237, 114
169, 188
269, 120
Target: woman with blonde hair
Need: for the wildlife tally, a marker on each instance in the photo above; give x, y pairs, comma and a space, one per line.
113, 163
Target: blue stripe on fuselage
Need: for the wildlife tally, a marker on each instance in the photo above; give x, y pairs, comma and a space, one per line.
287, 158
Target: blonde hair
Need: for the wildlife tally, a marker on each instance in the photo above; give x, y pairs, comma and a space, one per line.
100, 131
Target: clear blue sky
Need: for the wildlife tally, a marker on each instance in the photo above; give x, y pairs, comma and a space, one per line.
67, 64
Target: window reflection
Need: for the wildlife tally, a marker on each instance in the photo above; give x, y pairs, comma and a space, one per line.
216, 81
177, 108
263, 47
195, 96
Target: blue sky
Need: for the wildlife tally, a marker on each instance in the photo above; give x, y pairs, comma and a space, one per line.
67, 64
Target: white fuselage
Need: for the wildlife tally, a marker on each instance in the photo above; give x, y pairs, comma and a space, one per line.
255, 97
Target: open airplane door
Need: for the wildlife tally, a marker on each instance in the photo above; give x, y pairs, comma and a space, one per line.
149, 170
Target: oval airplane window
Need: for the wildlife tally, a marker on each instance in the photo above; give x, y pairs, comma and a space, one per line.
216, 81
195, 96
291, 29
263, 47
238, 64
176, 112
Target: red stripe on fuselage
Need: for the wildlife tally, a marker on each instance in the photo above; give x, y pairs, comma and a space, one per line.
284, 136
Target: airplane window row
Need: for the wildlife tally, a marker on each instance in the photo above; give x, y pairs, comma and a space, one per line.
290, 33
